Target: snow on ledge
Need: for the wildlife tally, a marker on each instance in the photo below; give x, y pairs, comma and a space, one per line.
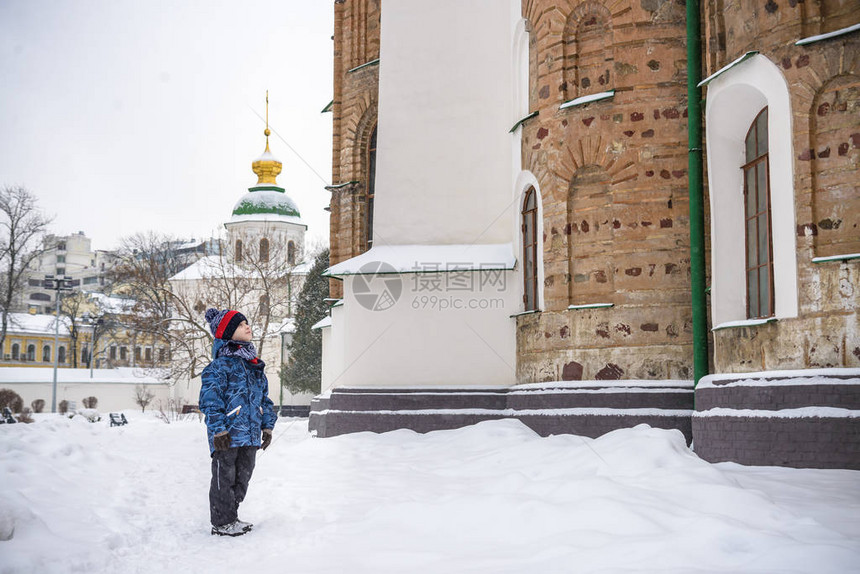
801, 413
266, 218
624, 384
513, 413
587, 99
782, 378
324, 322
743, 323
427, 259
845, 257
834, 34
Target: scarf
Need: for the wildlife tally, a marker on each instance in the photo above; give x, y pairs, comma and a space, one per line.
241, 349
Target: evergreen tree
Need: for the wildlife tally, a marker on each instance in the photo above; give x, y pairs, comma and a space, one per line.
303, 371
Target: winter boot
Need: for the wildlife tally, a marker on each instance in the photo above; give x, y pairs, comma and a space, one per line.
232, 529
246, 526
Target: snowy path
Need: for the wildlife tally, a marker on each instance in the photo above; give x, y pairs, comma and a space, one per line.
492, 498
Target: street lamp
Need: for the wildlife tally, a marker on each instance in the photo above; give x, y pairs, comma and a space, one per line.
97, 323
59, 284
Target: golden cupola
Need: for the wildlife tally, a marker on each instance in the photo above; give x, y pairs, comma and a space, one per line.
266, 200
267, 167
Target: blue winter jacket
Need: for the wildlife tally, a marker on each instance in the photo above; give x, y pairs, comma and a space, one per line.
235, 397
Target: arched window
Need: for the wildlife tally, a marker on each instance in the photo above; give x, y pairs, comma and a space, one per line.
61, 355
291, 253
237, 252
264, 305
734, 103
31, 352
371, 188
16, 351
759, 263
529, 228
264, 250
85, 354
46, 354
40, 297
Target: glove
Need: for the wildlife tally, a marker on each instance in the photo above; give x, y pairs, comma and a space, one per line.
267, 438
222, 441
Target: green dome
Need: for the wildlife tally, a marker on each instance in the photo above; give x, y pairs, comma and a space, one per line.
265, 201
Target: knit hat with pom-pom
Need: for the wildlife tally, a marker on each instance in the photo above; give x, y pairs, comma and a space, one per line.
223, 323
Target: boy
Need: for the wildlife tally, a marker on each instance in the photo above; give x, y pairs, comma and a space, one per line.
235, 399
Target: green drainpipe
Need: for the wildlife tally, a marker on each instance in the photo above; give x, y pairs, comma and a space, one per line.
697, 208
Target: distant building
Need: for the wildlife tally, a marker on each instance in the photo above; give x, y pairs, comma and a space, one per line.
70, 255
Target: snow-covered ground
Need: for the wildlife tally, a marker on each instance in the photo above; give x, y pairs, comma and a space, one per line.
494, 498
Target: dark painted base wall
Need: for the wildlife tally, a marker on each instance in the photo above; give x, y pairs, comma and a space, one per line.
769, 441
776, 433
590, 411
723, 428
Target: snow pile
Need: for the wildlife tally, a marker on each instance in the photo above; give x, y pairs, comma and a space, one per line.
490, 498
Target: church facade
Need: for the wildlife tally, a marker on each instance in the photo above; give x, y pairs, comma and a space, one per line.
260, 271
567, 143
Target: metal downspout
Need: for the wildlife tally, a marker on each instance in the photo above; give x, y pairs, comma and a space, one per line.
697, 211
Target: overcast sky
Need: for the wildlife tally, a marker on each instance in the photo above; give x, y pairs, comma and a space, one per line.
128, 115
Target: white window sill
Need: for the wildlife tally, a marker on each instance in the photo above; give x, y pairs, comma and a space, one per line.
744, 323
521, 313
846, 257
591, 306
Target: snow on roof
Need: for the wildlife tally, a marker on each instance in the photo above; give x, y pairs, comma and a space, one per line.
204, 268
303, 268
126, 375
324, 322
36, 324
427, 259
267, 156
288, 325
112, 304
212, 266
266, 199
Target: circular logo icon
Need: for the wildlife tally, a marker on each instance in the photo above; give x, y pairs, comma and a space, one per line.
377, 287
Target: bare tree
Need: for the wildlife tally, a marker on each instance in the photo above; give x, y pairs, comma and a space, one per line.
23, 226
143, 396
70, 308
259, 281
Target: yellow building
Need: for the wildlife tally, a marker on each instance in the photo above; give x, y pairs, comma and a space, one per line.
30, 341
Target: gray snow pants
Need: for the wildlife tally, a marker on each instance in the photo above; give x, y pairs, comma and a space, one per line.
231, 472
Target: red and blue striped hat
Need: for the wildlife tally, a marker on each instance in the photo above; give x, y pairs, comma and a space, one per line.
223, 323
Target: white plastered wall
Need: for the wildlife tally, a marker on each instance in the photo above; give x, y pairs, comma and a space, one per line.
430, 338
444, 176
733, 101
446, 103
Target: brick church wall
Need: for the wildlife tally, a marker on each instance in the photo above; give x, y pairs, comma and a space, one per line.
613, 183
823, 80
356, 89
